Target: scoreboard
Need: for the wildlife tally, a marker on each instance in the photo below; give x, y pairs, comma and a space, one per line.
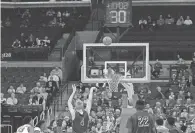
118, 12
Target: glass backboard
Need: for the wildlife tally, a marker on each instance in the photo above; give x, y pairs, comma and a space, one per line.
131, 60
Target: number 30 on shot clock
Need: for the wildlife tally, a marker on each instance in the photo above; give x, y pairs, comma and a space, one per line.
118, 11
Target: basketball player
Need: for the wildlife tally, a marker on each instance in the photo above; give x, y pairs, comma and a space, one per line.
80, 116
141, 121
27, 126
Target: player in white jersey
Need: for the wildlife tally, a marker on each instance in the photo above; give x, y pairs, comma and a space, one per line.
27, 126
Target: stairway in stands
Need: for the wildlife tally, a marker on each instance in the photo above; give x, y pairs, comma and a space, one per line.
61, 101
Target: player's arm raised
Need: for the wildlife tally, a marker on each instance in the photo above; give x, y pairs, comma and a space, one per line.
70, 106
89, 102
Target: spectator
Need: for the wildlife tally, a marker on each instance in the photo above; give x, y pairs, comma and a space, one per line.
157, 68
183, 82
188, 21
159, 110
12, 100
170, 124
184, 113
53, 22
21, 89
174, 80
142, 23
3, 100
43, 78
159, 94
11, 90
169, 20
16, 44
151, 24
33, 100
188, 102
38, 89
191, 114
143, 88
42, 125
160, 126
52, 125
46, 41
50, 13
149, 20
160, 21
55, 78
172, 96
37, 43
22, 39
61, 23
25, 23
180, 61
149, 109
59, 14
180, 21
31, 40
192, 66
8, 22
51, 86
26, 14
181, 95
65, 16
57, 71
189, 96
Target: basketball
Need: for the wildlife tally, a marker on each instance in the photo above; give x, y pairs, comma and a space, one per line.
107, 40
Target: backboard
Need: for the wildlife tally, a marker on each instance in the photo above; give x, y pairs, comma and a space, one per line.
131, 60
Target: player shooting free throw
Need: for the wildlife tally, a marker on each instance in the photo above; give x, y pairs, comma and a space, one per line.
80, 115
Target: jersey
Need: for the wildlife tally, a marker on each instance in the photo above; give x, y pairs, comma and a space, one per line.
80, 123
24, 129
52, 86
141, 122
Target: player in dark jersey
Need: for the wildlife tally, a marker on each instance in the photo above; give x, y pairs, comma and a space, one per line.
141, 121
80, 116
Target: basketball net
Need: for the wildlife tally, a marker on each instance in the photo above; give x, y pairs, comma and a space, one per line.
113, 80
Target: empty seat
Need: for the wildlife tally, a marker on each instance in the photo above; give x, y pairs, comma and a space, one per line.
6, 119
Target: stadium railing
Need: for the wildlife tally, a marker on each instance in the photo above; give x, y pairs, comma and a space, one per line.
46, 4
6, 128
35, 121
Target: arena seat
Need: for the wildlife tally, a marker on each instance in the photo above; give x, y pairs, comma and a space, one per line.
15, 76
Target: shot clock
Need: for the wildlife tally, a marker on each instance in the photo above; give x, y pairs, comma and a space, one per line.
118, 12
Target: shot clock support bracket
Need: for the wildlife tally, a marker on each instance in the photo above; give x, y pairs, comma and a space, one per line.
118, 35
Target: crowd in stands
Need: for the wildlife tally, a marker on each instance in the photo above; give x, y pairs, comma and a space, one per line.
48, 17
29, 22
41, 94
31, 41
151, 23
171, 106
